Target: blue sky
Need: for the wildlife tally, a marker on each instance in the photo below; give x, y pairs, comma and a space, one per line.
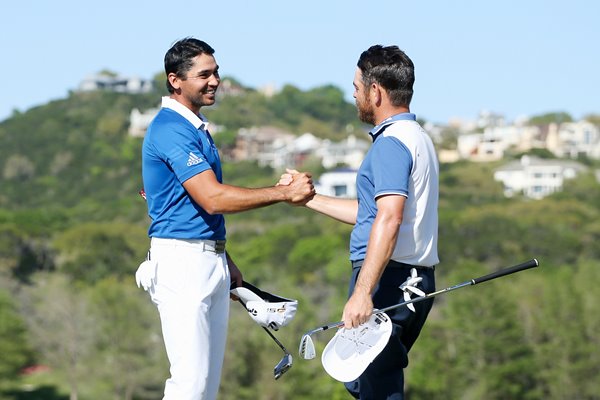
513, 57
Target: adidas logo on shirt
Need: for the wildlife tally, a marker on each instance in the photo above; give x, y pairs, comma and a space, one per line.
193, 160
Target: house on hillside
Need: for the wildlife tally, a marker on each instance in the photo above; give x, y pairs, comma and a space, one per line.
115, 83
277, 148
139, 121
349, 152
339, 183
574, 139
267, 145
535, 177
494, 141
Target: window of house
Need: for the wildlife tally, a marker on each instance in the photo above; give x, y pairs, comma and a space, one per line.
340, 190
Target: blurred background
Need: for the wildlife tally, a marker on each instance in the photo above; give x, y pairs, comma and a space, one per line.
504, 89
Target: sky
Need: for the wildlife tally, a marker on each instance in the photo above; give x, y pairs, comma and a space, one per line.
512, 57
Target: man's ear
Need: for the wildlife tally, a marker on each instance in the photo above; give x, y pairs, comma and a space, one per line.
377, 94
174, 80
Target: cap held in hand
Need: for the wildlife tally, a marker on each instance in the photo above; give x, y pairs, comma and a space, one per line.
350, 351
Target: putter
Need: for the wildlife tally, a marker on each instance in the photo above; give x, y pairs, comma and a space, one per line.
286, 362
307, 347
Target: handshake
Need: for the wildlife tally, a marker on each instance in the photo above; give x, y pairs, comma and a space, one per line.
298, 187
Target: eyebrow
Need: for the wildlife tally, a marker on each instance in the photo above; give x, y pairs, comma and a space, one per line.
208, 71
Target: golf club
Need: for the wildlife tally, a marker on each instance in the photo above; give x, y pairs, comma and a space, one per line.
307, 347
286, 362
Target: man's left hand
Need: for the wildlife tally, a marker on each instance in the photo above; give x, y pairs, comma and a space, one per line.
235, 275
357, 310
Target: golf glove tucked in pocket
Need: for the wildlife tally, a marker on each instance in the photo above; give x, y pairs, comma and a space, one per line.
409, 287
145, 276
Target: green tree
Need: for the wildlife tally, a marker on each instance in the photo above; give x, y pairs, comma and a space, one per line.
129, 359
90, 252
61, 328
593, 118
14, 346
477, 345
22, 254
311, 254
553, 117
564, 324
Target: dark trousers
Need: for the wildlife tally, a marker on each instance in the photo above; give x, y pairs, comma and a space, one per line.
384, 377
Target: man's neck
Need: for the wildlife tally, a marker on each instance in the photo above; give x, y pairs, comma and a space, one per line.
187, 104
387, 112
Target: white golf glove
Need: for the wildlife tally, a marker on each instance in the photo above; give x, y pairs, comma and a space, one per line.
272, 315
409, 287
266, 309
145, 276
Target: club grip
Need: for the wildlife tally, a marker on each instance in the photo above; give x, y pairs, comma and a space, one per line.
506, 271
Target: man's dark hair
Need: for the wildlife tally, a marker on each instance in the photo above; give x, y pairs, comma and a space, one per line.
391, 68
178, 59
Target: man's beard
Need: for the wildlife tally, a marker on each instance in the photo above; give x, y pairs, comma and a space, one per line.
196, 102
365, 112
200, 100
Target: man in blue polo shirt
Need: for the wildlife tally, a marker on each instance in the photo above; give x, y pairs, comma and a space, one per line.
395, 216
189, 273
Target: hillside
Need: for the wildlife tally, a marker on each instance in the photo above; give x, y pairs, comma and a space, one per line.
73, 231
75, 152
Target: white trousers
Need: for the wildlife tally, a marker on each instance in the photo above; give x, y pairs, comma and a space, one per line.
192, 297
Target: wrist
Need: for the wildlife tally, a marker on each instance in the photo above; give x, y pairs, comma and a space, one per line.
282, 193
361, 290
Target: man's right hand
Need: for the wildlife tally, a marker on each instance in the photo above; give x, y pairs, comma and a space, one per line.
299, 187
287, 177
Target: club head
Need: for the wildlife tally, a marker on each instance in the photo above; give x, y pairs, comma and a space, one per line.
283, 366
307, 348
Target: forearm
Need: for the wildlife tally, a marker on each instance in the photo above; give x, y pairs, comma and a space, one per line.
231, 199
218, 198
344, 210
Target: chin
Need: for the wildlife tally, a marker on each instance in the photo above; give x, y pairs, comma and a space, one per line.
207, 102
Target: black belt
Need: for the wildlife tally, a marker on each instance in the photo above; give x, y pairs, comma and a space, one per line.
391, 264
215, 246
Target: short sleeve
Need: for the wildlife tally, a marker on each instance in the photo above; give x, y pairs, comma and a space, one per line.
185, 153
392, 164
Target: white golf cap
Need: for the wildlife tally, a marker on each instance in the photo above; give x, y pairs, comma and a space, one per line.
266, 309
350, 351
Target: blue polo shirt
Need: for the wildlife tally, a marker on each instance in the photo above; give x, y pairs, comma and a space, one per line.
402, 161
177, 146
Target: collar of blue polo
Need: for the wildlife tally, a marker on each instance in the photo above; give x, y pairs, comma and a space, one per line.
198, 120
377, 130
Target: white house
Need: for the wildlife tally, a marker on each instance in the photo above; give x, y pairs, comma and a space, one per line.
578, 138
277, 148
339, 183
104, 81
139, 121
536, 177
494, 141
350, 152
267, 145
